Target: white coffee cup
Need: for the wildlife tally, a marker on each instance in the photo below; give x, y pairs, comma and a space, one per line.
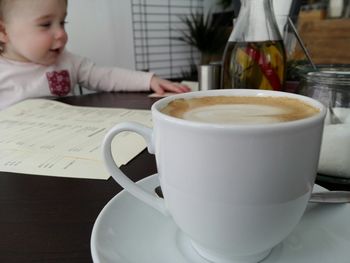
236, 190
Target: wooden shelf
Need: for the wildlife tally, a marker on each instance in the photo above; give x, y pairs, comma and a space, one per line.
328, 40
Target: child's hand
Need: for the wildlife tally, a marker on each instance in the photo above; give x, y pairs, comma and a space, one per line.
160, 86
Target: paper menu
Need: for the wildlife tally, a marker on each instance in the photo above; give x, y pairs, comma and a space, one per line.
46, 137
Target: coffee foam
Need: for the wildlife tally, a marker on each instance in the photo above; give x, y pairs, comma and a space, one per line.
239, 109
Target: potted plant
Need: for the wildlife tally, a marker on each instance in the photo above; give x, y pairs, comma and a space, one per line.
208, 36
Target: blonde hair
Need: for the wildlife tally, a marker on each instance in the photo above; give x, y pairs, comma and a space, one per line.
3, 8
1, 19
4, 5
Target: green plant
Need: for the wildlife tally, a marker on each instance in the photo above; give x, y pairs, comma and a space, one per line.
224, 3
293, 71
191, 73
208, 37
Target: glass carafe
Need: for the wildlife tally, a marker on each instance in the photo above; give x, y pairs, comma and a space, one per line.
254, 56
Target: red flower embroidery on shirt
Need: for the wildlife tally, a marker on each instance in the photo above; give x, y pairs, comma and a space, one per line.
59, 82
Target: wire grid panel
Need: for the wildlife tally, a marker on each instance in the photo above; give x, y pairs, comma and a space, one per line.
157, 25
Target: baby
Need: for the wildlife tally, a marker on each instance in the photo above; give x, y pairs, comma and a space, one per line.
34, 62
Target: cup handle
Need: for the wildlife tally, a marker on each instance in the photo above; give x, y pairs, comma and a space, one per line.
119, 176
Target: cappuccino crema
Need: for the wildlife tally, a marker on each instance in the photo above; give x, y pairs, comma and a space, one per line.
239, 109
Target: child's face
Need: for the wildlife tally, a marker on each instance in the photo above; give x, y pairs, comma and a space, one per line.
34, 30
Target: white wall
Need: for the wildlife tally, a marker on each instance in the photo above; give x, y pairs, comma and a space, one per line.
102, 30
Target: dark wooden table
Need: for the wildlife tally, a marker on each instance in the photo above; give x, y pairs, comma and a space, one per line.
47, 219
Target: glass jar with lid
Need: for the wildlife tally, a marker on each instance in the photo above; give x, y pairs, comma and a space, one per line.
330, 84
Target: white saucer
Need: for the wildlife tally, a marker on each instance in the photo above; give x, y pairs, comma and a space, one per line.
129, 231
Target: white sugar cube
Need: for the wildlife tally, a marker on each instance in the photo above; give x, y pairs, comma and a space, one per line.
335, 151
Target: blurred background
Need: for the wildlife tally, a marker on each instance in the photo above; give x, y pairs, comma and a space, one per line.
171, 38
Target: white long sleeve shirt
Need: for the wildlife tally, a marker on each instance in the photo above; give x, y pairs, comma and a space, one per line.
21, 80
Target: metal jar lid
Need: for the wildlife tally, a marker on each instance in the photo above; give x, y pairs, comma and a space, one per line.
331, 76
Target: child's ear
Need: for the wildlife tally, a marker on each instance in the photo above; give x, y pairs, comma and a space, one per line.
3, 35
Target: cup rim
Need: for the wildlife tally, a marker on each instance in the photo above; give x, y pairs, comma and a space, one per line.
239, 92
